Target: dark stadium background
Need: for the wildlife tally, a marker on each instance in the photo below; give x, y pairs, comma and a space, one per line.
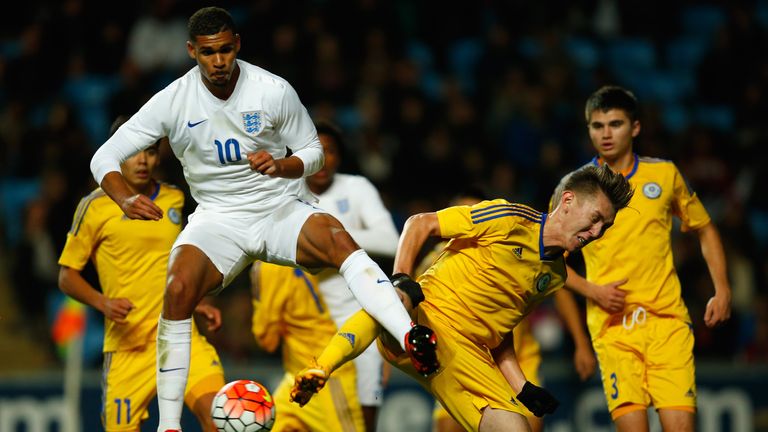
434, 96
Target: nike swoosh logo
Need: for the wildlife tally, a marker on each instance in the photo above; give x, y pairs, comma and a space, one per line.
378, 281
171, 369
190, 124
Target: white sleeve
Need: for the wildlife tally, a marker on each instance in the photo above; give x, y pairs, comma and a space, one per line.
299, 133
378, 235
140, 131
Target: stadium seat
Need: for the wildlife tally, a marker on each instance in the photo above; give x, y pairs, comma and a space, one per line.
686, 52
675, 117
702, 20
583, 52
420, 54
761, 13
631, 53
719, 117
89, 95
669, 86
463, 57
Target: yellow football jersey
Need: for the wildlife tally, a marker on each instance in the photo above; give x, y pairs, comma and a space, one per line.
290, 308
130, 256
638, 246
492, 272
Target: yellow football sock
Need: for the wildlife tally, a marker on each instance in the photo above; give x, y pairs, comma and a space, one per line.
350, 341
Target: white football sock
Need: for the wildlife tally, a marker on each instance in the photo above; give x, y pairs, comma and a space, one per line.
372, 288
174, 340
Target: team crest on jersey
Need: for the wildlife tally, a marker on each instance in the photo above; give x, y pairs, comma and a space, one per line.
253, 121
343, 205
543, 282
651, 190
174, 215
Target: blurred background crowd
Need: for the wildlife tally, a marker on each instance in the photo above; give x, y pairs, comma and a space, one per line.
433, 97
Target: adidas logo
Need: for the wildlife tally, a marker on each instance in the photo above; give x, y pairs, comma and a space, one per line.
350, 337
518, 251
690, 393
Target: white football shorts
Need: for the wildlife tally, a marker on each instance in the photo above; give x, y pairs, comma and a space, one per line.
233, 243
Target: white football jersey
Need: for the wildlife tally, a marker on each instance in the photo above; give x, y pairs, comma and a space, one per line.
211, 138
355, 202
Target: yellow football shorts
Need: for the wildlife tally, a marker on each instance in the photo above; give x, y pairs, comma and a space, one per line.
468, 380
334, 409
129, 384
528, 355
647, 360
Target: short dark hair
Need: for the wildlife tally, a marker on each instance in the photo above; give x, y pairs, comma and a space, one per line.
327, 127
119, 120
612, 97
591, 178
208, 21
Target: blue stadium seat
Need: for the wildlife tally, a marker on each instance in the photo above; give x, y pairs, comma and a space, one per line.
529, 47
634, 53
686, 52
463, 57
583, 52
421, 54
702, 20
670, 87
90, 95
761, 13
719, 117
15, 193
675, 117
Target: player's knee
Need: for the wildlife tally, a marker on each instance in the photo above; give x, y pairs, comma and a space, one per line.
181, 293
342, 246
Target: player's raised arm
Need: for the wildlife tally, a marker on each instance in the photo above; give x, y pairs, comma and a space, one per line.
415, 232
105, 166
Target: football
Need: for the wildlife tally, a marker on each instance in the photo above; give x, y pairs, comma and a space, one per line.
243, 406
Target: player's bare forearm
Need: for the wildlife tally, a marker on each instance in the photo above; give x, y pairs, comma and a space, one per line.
608, 296
418, 228
569, 312
506, 360
719, 306
135, 206
72, 283
583, 357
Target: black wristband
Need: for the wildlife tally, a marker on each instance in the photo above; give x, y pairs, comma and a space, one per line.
409, 286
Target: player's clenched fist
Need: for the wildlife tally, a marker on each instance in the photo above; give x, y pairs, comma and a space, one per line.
141, 207
264, 163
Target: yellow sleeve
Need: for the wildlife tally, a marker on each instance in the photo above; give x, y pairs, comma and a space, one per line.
82, 236
482, 220
267, 322
687, 206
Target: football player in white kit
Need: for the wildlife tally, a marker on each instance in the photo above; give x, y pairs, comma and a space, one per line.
230, 124
355, 202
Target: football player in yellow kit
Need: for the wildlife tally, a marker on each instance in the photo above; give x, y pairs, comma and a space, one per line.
288, 308
640, 327
527, 349
502, 260
131, 257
